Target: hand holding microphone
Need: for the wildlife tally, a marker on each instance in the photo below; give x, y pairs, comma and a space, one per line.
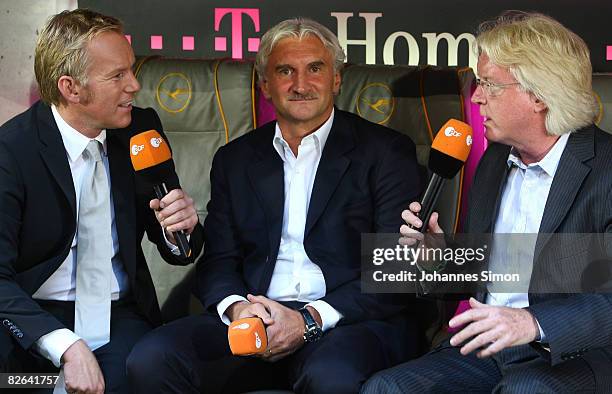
247, 336
151, 159
449, 151
284, 327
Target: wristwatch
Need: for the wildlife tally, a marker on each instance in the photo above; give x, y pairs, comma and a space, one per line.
312, 331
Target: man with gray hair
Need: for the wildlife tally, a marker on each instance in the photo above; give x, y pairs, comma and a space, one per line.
75, 289
547, 170
288, 204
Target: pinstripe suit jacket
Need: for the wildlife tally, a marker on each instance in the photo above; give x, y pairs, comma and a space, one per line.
576, 325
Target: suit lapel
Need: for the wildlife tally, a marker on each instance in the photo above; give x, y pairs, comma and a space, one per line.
485, 206
266, 179
122, 186
568, 179
332, 166
54, 154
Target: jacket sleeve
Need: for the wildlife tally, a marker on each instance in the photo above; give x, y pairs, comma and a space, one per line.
575, 324
578, 323
395, 185
219, 270
20, 315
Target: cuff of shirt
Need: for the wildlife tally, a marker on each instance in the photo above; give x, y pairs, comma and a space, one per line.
329, 316
225, 303
542, 335
173, 248
53, 345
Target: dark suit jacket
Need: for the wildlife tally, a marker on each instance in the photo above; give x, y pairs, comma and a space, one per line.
38, 217
366, 176
575, 325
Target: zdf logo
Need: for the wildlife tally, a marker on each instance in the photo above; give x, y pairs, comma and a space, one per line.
136, 149
243, 326
451, 132
156, 142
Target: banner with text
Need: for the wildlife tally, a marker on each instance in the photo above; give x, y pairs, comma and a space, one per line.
373, 32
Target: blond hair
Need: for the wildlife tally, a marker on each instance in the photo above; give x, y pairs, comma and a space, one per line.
62, 49
548, 60
297, 28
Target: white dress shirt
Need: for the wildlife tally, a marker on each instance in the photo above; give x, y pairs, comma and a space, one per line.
295, 276
520, 211
61, 285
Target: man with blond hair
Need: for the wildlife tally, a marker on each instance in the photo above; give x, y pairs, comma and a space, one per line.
75, 290
547, 170
288, 204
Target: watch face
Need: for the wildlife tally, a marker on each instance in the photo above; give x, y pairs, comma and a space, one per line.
313, 334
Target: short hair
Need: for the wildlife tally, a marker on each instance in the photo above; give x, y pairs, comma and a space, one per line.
297, 28
548, 60
62, 49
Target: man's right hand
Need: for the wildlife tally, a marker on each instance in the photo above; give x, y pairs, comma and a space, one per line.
82, 373
244, 309
411, 235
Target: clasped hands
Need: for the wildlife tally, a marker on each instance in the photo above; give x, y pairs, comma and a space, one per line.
284, 326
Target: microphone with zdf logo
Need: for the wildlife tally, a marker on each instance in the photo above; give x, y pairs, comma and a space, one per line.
151, 159
449, 151
247, 336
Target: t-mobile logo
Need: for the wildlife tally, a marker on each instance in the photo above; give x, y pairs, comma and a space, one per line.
236, 38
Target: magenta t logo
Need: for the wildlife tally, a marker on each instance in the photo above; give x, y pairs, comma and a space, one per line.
236, 42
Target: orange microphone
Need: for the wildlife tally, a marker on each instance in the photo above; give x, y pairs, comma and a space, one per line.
151, 159
247, 336
455, 141
148, 149
449, 151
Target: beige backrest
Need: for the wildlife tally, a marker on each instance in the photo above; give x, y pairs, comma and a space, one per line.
202, 105
415, 101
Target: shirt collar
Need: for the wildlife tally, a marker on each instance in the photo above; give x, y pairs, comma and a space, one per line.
549, 163
319, 136
75, 142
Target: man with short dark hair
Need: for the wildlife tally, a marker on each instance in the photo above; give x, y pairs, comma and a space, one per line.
75, 289
289, 202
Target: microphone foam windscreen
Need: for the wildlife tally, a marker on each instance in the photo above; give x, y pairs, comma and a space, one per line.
247, 336
454, 139
451, 148
148, 149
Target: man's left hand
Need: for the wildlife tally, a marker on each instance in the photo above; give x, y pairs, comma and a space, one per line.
175, 212
286, 334
493, 328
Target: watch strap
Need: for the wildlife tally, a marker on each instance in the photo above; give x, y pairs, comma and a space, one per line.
308, 319
312, 331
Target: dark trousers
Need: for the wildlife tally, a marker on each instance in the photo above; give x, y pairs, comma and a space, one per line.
127, 327
192, 355
519, 369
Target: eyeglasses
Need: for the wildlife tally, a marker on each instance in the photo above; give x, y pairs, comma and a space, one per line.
493, 89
